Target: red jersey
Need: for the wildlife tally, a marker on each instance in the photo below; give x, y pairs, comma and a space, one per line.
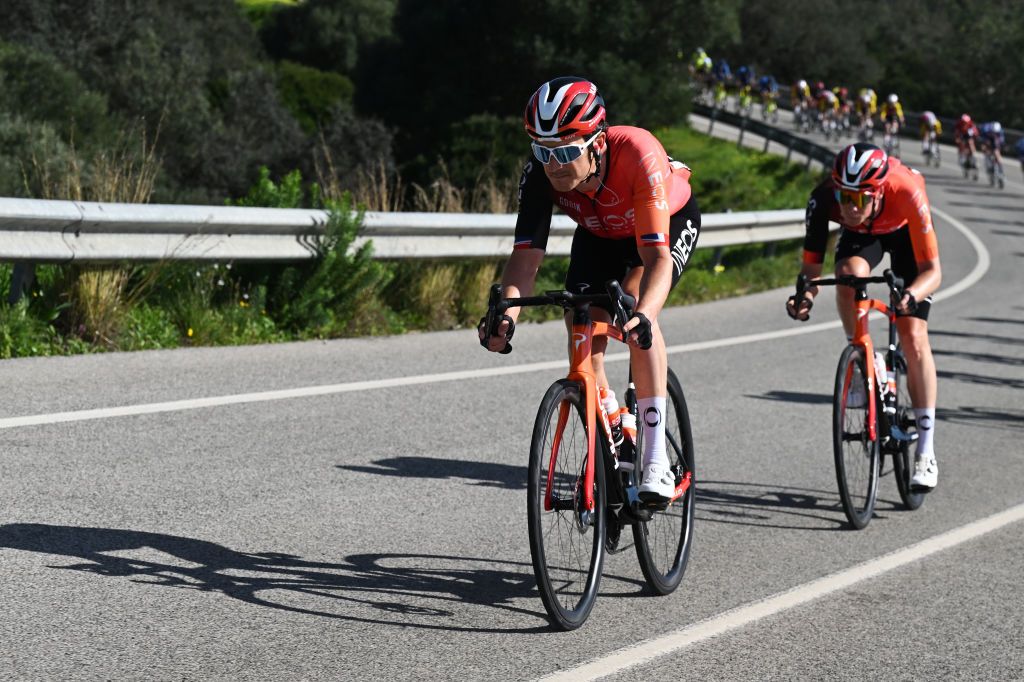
642, 189
904, 205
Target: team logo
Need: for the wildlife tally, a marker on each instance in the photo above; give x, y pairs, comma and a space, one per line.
652, 416
578, 339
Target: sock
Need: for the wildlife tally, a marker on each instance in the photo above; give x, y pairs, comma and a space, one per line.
925, 417
652, 421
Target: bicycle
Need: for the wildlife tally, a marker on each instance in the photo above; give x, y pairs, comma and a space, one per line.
930, 150
994, 170
582, 487
879, 420
968, 164
891, 140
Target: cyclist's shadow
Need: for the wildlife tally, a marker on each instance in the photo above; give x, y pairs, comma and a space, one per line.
407, 590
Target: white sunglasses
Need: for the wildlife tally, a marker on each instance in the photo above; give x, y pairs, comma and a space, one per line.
567, 153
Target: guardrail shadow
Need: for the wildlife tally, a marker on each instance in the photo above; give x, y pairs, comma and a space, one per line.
489, 474
794, 397
403, 590
764, 505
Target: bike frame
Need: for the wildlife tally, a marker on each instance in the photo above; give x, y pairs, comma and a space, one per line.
862, 338
581, 370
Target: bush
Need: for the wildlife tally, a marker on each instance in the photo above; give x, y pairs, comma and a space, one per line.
312, 95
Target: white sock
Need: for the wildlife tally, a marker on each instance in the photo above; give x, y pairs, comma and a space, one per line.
925, 417
652, 421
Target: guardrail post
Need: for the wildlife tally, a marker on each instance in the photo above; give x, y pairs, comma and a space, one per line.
711, 119
23, 278
743, 128
767, 141
789, 150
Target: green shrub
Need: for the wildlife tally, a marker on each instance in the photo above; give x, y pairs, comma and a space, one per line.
312, 95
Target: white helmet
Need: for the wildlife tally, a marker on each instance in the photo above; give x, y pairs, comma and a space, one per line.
802, 84
893, 98
997, 127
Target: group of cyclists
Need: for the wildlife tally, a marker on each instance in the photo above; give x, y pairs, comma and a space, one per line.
638, 222
836, 111
715, 81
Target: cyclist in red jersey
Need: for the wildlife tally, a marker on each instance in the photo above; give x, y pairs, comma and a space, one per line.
637, 222
882, 207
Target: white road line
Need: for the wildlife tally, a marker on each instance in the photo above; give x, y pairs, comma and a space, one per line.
751, 613
980, 267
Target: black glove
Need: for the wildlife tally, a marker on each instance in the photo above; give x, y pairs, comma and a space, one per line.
796, 307
508, 334
644, 335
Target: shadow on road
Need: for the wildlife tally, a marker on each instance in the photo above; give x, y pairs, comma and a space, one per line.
993, 221
1014, 341
985, 417
981, 379
794, 397
404, 590
759, 504
507, 476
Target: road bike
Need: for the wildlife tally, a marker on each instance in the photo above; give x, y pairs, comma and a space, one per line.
871, 409
968, 164
891, 140
582, 487
930, 149
994, 169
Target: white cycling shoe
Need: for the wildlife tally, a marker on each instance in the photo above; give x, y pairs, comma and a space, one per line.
926, 473
658, 481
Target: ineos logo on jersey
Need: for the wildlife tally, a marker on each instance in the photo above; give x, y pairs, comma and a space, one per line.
684, 246
652, 416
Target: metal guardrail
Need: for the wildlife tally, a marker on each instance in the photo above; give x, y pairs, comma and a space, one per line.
806, 148
40, 231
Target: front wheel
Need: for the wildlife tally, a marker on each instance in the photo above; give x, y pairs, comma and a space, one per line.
663, 543
903, 461
566, 539
856, 453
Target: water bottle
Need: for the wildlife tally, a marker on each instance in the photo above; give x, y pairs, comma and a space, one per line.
611, 408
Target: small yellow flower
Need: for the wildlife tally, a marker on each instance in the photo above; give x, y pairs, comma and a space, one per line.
190, 332
719, 269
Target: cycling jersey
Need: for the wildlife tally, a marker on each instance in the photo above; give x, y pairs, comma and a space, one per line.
929, 123
988, 135
965, 130
642, 189
827, 100
892, 112
904, 204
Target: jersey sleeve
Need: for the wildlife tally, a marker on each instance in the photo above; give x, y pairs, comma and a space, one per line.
914, 206
651, 184
533, 223
816, 223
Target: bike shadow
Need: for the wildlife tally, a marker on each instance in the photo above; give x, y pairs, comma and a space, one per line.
489, 474
402, 590
760, 504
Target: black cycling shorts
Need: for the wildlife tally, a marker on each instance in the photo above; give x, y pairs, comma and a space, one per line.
871, 247
595, 260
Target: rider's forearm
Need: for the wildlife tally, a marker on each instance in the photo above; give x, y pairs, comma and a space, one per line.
929, 277
655, 284
520, 274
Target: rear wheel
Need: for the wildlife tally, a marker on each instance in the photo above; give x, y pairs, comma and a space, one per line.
566, 539
663, 543
856, 454
903, 461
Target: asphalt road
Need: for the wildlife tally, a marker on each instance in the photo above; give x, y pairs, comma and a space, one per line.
377, 529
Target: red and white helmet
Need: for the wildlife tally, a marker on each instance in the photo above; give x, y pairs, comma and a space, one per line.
564, 107
860, 167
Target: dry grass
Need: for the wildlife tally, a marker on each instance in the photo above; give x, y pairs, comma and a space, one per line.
376, 188
100, 295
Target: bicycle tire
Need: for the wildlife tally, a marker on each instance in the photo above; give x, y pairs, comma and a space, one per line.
856, 457
903, 462
567, 543
663, 543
